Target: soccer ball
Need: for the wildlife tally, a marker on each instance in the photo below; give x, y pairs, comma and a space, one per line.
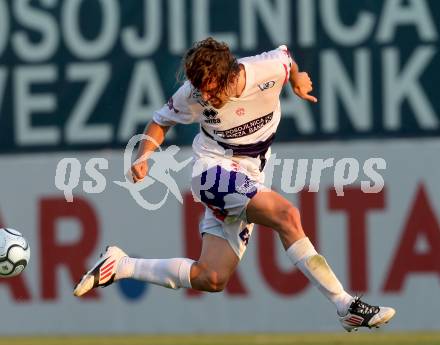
14, 253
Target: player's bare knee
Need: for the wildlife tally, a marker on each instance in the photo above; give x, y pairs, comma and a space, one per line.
209, 280
215, 281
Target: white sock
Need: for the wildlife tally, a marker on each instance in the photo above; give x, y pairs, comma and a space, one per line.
125, 268
315, 268
170, 273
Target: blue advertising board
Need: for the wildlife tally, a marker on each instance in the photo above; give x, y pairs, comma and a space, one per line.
81, 75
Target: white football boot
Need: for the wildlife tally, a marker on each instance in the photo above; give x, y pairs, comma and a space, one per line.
361, 314
103, 273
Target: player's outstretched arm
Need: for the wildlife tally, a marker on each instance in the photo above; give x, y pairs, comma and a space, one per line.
156, 135
301, 83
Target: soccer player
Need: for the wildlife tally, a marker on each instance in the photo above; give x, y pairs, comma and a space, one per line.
236, 102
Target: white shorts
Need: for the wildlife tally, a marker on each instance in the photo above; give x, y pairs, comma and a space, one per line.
225, 194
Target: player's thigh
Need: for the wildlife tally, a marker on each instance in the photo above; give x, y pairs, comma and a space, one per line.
217, 256
270, 209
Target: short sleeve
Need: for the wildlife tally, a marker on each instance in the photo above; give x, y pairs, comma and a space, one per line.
177, 109
285, 54
286, 60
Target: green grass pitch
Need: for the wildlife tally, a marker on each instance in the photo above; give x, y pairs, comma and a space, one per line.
362, 338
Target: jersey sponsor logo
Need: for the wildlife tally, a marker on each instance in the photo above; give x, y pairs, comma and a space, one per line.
266, 85
246, 128
239, 111
210, 115
170, 104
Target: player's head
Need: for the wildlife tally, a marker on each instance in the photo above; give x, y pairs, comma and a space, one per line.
211, 68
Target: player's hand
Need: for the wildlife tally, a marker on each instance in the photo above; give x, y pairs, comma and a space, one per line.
302, 86
139, 170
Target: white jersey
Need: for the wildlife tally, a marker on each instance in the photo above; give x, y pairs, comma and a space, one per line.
246, 124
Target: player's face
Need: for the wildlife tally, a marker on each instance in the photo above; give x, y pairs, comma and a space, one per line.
216, 98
